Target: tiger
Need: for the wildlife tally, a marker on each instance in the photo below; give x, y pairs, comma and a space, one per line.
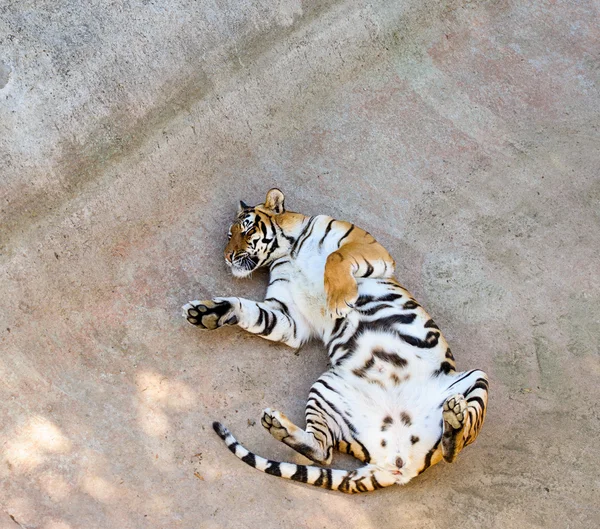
391, 396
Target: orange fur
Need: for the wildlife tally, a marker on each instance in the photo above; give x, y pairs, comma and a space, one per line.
359, 248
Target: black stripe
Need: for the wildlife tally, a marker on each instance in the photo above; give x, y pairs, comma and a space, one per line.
445, 367
375, 483
302, 237
480, 384
462, 378
304, 449
316, 426
327, 230
263, 227
479, 401
345, 484
321, 413
301, 474
278, 263
274, 246
233, 446
270, 324
392, 358
261, 315
286, 312
274, 469
322, 382
305, 239
363, 300
366, 455
430, 455
335, 409
329, 479
430, 324
278, 279
338, 324
345, 356
360, 486
339, 333
431, 340
390, 297
315, 410
249, 459
390, 283
369, 269
411, 304
376, 309
333, 348
362, 372
405, 418
284, 307
319, 481
289, 238
345, 235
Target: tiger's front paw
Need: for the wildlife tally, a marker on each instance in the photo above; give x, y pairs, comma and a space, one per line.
341, 296
210, 314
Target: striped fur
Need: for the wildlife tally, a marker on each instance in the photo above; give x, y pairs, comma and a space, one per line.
365, 479
391, 397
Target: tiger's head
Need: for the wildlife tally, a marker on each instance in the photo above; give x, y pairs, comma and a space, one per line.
254, 236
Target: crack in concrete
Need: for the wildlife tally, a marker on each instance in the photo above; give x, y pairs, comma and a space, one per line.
15, 520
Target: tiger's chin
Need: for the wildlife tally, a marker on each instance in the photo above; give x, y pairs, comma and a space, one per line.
241, 272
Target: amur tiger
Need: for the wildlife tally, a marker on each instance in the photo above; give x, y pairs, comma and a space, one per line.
391, 397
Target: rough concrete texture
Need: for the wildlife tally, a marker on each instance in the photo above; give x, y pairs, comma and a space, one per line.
463, 134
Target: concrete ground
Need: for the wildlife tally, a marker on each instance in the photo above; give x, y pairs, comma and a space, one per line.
462, 134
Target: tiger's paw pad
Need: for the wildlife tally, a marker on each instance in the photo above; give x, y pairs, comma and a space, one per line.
274, 422
209, 314
454, 411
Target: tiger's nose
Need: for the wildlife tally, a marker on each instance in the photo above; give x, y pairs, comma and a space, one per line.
399, 462
228, 256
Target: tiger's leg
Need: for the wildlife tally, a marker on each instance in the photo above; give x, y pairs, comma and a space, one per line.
362, 256
315, 443
261, 318
464, 412
327, 410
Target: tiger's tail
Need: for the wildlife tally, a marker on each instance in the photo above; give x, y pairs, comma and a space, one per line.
364, 479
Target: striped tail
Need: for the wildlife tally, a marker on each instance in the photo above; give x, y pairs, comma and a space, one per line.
364, 479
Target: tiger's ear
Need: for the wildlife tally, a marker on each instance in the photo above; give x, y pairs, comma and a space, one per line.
275, 201
242, 206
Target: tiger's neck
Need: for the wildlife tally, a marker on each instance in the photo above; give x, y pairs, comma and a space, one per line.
288, 227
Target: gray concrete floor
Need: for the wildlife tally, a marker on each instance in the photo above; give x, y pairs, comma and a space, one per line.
462, 134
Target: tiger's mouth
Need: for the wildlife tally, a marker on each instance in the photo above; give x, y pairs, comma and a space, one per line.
243, 265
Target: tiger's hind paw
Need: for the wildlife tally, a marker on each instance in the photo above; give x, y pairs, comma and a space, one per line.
278, 425
455, 411
209, 314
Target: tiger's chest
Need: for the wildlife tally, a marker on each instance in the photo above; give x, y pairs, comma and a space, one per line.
307, 290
